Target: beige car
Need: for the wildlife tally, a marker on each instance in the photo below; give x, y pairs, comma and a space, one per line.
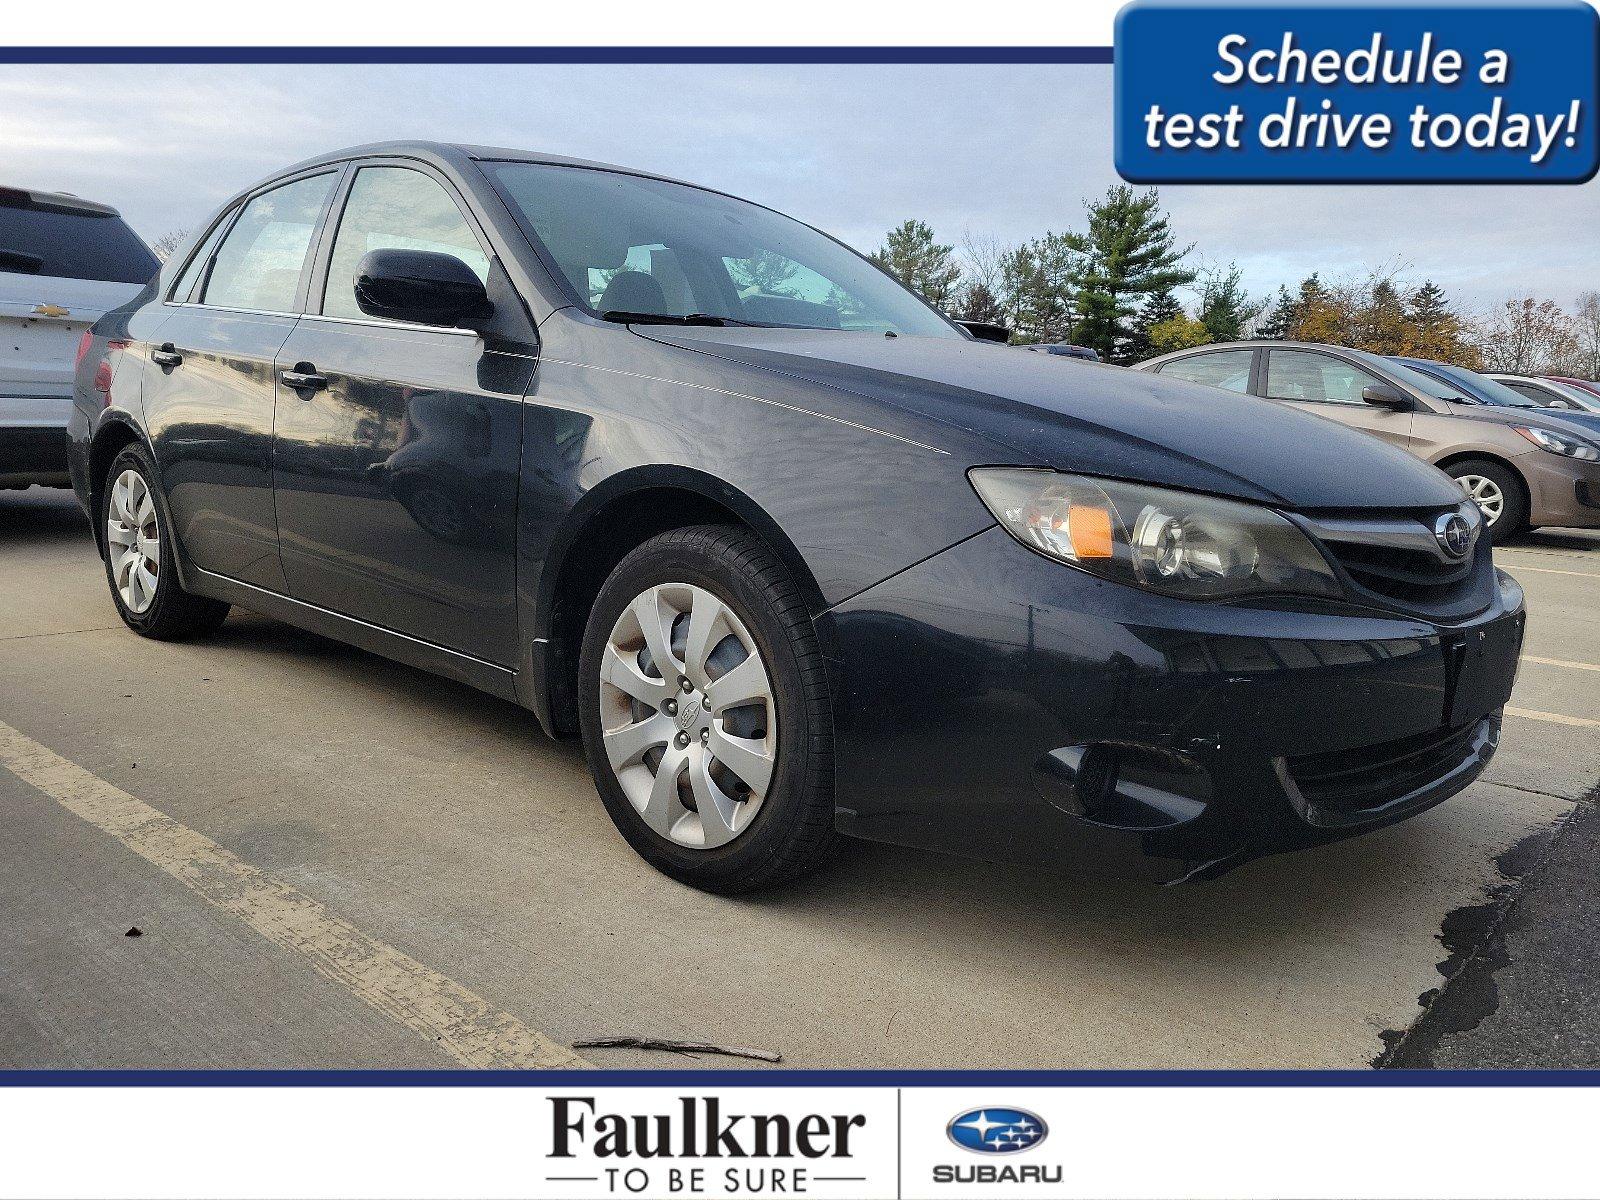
1524, 467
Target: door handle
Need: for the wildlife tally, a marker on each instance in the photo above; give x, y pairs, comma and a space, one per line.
166, 355
304, 378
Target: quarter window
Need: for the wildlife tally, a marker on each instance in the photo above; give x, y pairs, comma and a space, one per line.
260, 261
1228, 369
393, 208
1304, 375
197, 264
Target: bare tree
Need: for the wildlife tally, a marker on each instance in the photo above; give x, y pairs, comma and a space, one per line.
167, 244
1586, 322
1529, 336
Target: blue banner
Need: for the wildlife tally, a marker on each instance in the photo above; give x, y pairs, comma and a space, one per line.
1356, 93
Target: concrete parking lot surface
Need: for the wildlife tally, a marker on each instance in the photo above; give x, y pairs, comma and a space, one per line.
336, 861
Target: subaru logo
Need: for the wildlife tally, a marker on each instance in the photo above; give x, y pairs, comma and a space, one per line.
997, 1130
1454, 534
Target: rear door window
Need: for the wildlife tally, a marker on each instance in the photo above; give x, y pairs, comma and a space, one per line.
259, 263
1306, 375
41, 236
1227, 369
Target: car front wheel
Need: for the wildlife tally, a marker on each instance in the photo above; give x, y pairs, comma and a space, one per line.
1498, 494
705, 714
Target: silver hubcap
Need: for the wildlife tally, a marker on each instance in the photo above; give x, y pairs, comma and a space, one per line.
687, 715
1486, 494
134, 540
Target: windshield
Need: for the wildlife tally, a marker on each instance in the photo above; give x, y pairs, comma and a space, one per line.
642, 247
1412, 378
1478, 389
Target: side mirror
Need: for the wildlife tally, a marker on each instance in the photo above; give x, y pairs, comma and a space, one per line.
419, 286
987, 331
1566, 404
1385, 396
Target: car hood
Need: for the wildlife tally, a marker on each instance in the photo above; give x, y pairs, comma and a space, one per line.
1074, 415
1559, 420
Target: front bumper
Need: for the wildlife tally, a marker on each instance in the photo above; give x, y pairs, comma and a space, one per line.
1561, 491
991, 702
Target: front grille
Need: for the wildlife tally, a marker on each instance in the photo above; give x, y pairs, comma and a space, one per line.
1397, 561
1401, 573
1347, 786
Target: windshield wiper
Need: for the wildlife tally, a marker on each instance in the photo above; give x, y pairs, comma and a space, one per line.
627, 317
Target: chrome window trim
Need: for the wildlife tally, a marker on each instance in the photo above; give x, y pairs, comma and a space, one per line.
222, 308
378, 323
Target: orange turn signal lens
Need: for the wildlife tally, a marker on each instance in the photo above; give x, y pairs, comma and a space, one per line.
1089, 527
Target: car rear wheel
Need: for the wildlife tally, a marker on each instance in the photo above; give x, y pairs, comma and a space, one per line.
140, 553
1498, 494
704, 709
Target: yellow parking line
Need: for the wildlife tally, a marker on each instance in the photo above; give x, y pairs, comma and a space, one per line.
460, 1022
1560, 662
1554, 718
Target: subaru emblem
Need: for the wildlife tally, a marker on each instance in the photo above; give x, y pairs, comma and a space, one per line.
996, 1130
1454, 535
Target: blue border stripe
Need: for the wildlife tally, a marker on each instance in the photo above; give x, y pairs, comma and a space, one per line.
796, 55
694, 1079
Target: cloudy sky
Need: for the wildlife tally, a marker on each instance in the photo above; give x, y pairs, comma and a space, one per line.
1000, 152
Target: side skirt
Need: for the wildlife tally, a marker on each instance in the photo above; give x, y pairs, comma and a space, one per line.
485, 676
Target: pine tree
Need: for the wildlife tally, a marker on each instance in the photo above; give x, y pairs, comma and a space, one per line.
1036, 279
1158, 308
1382, 324
1129, 252
1280, 317
922, 264
1225, 307
1436, 331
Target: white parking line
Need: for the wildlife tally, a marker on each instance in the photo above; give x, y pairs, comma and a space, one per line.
460, 1022
1561, 662
1551, 571
1553, 718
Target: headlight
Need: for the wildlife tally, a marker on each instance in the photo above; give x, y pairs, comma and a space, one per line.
1561, 443
1176, 543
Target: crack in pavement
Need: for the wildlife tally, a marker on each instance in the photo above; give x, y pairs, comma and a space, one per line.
1475, 938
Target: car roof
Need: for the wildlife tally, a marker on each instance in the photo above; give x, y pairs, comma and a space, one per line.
20, 197
455, 153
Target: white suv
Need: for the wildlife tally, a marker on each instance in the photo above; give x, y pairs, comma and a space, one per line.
63, 262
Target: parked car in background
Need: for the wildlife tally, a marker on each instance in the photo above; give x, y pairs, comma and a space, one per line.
1588, 386
1064, 349
793, 564
1549, 393
1524, 466
63, 262
1471, 387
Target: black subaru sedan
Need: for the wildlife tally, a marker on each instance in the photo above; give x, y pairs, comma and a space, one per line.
796, 555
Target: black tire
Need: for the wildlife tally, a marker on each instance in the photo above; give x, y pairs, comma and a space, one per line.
174, 614
793, 831
1513, 519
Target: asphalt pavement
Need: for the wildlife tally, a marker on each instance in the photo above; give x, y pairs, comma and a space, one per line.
335, 861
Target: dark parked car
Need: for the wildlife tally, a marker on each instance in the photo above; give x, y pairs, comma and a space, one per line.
1064, 349
794, 553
